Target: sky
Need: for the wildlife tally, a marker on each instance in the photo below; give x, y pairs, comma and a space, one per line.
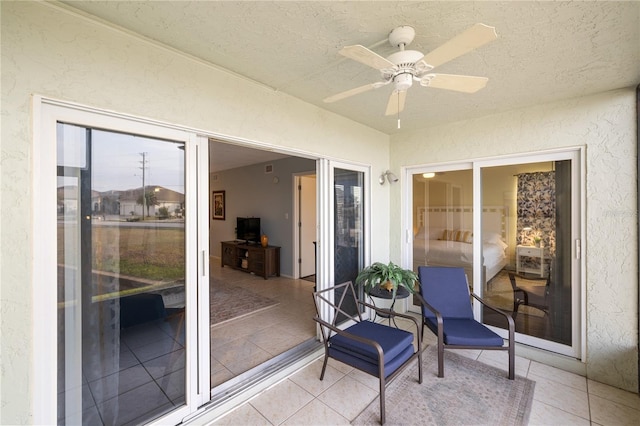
117, 159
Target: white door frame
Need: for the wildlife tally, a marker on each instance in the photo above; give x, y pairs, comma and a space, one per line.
326, 221
297, 234
46, 114
576, 155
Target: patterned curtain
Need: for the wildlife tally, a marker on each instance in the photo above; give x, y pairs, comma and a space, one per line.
536, 224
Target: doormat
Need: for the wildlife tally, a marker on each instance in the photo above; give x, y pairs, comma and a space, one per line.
229, 302
470, 393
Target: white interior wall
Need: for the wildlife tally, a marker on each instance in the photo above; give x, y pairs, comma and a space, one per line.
250, 192
605, 124
54, 53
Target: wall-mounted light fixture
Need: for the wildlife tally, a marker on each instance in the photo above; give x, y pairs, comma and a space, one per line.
388, 175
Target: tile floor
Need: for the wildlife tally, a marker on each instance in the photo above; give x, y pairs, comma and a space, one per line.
560, 398
241, 344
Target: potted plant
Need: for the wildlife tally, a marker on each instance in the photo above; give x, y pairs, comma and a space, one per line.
387, 277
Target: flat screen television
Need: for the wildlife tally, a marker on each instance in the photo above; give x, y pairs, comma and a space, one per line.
248, 229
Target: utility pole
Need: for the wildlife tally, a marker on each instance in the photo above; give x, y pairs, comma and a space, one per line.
144, 190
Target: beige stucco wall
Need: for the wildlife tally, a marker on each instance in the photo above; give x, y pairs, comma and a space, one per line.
606, 125
53, 53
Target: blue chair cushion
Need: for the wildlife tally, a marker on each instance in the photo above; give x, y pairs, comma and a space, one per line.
465, 332
397, 346
446, 289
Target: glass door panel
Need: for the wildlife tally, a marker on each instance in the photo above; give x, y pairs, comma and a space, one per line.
535, 284
121, 276
443, 220
348, 211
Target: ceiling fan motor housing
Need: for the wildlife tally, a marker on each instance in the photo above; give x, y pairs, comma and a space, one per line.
403, 81
405, 69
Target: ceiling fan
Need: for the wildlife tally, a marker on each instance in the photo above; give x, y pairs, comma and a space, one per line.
405, 66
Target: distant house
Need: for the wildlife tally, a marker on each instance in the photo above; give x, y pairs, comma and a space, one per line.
129, 201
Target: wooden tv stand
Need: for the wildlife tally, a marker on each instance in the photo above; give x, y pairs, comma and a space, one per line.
252, 258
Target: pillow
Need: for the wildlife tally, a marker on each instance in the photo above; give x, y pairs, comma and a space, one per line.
448, 235
464, 236
459, 235
421, 233
494, 238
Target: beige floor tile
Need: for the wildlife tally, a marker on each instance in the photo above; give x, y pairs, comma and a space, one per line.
316, 413
500, 359
606, 412
220, 376
558, 375
236, 350
614, 394
561, 396
340, 366
348, 397
366, 379
254, 359
243, 415
281, 401
546, 415
309, 378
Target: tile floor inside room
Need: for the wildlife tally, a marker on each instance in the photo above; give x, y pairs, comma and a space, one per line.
243, 343
560, 397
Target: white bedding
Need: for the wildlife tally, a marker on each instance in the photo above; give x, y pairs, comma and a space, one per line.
454, 253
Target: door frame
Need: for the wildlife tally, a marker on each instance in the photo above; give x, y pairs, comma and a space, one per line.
47, 113
578, 178
326, 223
297, 235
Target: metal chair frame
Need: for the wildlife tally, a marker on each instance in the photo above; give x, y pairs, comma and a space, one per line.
510, 348
330, 329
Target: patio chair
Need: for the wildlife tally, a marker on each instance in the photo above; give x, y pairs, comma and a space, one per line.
376, 349
447, 312
529, 294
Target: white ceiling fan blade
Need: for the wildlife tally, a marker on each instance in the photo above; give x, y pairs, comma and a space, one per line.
396, 102
465, 42
459, 83
352, 92
365, 56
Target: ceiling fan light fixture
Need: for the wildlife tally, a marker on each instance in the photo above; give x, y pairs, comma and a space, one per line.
403, 81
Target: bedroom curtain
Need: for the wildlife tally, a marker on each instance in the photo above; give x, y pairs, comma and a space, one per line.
536, 204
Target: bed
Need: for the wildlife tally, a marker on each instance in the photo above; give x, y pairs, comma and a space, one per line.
444, 238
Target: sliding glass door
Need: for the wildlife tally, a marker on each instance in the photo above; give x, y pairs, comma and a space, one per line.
514, 225
343, 247
533, 206
120, 278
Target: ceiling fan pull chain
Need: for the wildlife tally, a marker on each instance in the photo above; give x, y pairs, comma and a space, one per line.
398, 110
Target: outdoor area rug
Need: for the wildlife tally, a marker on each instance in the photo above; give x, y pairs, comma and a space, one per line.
231, 302
470, 393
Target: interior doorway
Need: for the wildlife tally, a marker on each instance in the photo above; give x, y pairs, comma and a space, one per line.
305, 186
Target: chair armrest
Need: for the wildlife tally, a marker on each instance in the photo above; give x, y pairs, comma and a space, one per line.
348, 335
428, 306
439, 320
510, 321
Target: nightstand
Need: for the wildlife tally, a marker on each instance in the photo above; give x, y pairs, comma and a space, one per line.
532, 253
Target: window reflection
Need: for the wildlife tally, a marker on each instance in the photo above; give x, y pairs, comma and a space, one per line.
121, 277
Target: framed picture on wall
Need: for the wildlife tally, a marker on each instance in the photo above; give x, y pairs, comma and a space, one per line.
217, 205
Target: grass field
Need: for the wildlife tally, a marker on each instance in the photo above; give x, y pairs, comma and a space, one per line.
150, 253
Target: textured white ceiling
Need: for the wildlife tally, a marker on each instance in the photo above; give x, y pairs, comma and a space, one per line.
545, 51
